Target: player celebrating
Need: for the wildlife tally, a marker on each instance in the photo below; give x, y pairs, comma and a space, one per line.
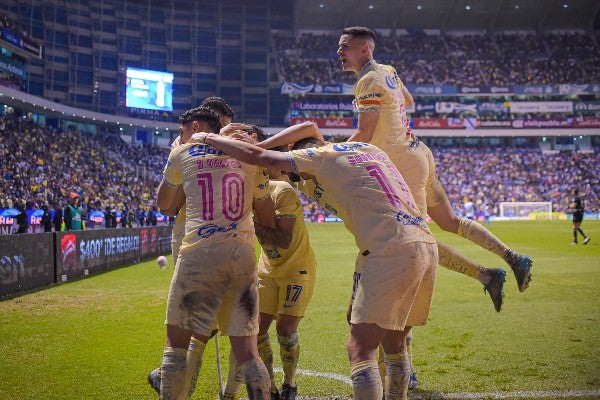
398, 255
286, 273
215, 274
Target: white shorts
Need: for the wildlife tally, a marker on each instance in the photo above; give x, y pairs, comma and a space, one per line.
395, 287
215, 282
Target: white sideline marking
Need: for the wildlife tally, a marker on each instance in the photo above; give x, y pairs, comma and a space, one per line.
492, 395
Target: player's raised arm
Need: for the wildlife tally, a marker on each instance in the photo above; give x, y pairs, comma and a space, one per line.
291, 135
245, 152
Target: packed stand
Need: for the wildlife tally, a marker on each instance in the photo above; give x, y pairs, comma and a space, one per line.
483, 60
42, 167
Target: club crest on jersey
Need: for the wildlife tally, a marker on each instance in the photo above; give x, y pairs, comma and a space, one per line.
390, 81
203, 150
341, 147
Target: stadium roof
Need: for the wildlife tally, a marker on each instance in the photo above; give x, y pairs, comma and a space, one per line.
450, 15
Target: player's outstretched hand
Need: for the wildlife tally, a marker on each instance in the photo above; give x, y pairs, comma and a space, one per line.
232, 128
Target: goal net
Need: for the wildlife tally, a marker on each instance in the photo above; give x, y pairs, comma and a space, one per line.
526, 210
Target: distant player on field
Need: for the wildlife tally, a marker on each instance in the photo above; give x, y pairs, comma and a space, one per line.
576, 207
395, 268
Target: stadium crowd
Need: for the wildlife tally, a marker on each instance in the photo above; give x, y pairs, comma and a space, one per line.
41, 167
501, 59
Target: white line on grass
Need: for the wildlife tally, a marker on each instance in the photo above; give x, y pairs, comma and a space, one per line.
491, 395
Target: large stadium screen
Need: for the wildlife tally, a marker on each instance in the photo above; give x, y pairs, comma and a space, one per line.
148, 89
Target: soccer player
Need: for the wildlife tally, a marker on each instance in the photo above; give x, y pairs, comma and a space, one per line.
380, 97
286, 273
397, 261
215, 274
576, 207
226, 115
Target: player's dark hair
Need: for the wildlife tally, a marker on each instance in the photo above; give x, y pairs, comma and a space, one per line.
359, 31
202, 114
219, 105
255, 129
307, 143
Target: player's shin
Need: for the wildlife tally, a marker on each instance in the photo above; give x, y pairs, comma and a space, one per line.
398, 368
366, 381
266, 353
453, 260
234, 379
257, 381
194, 363
289, 348
173, 373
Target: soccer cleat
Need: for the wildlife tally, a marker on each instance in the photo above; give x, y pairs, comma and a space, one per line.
288, 392
521, 266
275, 395
495, 287
586, 240
574, 243
413, 382
154, 379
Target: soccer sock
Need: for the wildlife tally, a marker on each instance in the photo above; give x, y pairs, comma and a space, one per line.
480, 235
257, 379
575, 235
582, 234
173, 375
409, 340
366, 382
266, 353
453, 260
399, 369
381, 364
235, 378
194, 363
289, 350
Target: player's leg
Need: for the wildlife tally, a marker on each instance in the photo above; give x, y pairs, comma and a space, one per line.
295, 293
440, 210
492, 278
397, 364
269, 294
253, 369
362, 346
235, 379
242, 322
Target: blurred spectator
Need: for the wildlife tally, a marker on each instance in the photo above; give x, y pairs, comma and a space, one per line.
46, 220
22, 220
73, 214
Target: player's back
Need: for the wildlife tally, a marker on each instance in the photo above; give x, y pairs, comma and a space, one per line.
359, 183
219, 192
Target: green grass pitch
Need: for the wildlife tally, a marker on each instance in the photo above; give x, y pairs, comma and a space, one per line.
97, 338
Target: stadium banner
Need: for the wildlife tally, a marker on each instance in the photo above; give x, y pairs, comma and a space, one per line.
586, 122
80, 253
321, 106
430, 123
449, 107
485, 89
13, 67
579, 89
326, 122
26, 262
432, 89
535, 89
493, 124
525, 107
314, 88
17, 41
542, 123
587, 106
492, 107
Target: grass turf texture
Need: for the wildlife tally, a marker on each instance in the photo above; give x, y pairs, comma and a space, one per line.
97, 338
